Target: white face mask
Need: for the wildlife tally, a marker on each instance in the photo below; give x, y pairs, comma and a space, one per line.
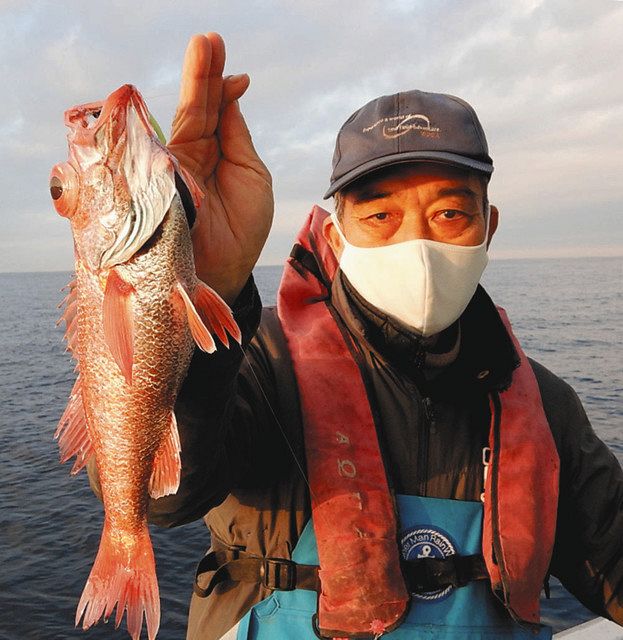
423, 283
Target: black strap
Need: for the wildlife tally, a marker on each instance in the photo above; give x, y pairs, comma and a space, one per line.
429, 574
422, 574
306, 260
239, 566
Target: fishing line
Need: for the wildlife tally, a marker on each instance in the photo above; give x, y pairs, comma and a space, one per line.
161, 95
281, 428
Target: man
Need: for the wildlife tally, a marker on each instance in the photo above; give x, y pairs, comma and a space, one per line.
383, 423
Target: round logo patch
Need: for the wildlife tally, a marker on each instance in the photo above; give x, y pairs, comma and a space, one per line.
425, 541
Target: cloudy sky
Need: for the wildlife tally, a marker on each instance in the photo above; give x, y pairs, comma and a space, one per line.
545, 76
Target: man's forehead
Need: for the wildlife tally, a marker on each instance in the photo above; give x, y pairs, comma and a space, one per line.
390, 178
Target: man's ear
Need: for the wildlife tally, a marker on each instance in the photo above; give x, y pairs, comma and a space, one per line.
494, 217
331, 235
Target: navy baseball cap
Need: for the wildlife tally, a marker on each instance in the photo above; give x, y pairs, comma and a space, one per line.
410, 126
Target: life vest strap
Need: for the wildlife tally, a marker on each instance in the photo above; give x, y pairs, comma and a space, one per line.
279, 574
276, 574
429, 574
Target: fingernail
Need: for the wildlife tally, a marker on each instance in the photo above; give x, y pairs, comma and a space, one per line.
238, 77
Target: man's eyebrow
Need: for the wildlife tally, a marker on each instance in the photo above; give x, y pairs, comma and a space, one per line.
456, 191
368, 195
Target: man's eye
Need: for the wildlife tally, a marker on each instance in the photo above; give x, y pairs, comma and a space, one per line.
450, 214
379, 216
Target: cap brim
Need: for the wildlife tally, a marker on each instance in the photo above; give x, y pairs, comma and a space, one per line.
410, 156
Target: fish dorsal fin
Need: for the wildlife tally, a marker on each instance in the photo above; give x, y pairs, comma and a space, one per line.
69, 317
165, 475
150, 179
72, 432
118, 321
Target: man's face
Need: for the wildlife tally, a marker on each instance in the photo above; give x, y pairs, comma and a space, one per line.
413, 201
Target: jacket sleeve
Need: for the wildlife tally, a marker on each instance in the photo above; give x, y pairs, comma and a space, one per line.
588, 552
222, 416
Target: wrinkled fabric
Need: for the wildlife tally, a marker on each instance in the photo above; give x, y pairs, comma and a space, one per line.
352, 506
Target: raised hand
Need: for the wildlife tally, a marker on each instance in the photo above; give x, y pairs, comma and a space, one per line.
210, 139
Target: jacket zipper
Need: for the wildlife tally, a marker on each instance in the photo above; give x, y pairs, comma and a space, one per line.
428, 413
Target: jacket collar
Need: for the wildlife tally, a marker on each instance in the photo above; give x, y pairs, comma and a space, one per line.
477, 350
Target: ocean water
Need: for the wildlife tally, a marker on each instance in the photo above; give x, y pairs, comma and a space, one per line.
566, 312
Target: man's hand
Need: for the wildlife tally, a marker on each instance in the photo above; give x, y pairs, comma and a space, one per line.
210, 139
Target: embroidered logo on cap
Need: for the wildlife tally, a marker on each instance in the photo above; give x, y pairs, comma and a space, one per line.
424, 541
396, 126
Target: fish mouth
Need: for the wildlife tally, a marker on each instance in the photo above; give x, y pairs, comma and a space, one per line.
102, 125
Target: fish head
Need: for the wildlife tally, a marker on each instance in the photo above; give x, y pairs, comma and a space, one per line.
118, 182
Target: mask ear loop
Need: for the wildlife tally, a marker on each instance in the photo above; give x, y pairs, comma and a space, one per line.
339, 228
487, 223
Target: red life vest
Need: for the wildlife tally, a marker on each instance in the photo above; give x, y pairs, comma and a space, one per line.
353, 511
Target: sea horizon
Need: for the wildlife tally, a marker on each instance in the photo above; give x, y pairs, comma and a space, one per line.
491, 260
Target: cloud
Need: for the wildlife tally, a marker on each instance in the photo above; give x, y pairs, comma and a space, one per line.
544, 78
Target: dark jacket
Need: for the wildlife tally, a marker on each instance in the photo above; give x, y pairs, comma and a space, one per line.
244, 464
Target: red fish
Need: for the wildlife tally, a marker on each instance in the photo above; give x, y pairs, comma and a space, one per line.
133, 314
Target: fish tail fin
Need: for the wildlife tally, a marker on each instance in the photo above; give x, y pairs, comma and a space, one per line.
125, 576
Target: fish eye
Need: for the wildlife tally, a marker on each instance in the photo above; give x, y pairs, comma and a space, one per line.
56, 188
64, 189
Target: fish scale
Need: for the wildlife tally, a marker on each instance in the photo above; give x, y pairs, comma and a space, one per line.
133, 315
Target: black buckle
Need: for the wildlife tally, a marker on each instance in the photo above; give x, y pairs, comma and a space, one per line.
462, 570
277, 573
422, 578
429, 574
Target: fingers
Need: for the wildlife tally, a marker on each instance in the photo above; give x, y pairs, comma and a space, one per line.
200, 89
215, 82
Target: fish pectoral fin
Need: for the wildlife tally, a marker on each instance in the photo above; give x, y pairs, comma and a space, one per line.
198, 329
118, 321
165, 475
208, 312
72, 432
215, 313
